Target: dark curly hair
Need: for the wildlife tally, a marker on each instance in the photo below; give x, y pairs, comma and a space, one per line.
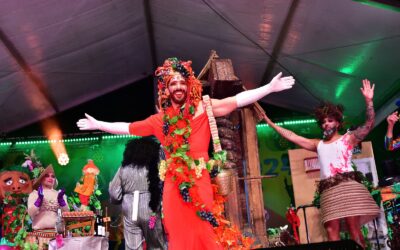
145, 152
330, 110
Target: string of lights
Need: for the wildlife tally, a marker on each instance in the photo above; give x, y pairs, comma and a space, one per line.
79, 138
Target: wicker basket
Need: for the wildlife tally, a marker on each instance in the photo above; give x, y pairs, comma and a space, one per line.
224, 181
79, 220
224, 178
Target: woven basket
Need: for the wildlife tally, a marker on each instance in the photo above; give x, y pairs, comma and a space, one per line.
224, 181
224, 178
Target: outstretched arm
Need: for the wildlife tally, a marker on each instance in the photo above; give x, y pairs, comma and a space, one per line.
90, 123
225, 106
361, 132
309, 144
391, 144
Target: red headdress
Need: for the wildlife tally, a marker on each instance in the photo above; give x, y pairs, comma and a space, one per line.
166, 72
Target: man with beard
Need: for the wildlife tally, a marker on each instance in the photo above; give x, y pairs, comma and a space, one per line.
182, 128
342, 196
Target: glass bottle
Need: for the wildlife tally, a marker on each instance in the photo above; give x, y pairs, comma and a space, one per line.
60, 224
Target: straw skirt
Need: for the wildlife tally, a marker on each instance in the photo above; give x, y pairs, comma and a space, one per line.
348, 199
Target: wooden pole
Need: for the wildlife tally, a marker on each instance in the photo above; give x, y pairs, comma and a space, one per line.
255, 194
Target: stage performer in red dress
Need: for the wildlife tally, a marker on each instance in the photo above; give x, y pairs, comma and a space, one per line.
182, 128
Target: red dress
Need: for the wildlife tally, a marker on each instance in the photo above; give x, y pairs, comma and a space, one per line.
185, 230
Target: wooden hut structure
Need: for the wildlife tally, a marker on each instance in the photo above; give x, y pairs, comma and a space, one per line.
238, 136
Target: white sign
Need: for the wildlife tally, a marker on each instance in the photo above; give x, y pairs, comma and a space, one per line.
311, 164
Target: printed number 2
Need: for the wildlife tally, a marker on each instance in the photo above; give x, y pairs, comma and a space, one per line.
273, 169
274, 163
285, 163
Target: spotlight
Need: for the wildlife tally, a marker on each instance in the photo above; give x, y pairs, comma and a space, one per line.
63, 159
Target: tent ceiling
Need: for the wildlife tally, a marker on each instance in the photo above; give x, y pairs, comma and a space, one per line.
58, 54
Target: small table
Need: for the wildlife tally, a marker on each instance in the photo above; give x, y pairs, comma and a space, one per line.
77, 243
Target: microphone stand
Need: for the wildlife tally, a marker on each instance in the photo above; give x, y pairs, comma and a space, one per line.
303, 207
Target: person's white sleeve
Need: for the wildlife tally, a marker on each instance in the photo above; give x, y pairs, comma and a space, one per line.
251, 96
278, 83
119, 128
90, 123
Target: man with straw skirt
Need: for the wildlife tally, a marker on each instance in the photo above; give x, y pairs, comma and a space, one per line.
343, 197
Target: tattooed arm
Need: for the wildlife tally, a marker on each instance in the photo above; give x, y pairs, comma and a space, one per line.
360, 133
309, 144
391, 144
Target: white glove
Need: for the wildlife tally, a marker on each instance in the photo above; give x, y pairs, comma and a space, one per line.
90, 123
278, 83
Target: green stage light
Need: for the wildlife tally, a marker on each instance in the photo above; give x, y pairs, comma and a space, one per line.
108, 137
289, 122
393, 5
20, 142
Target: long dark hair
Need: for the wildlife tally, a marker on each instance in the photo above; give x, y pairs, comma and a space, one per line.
144, 152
